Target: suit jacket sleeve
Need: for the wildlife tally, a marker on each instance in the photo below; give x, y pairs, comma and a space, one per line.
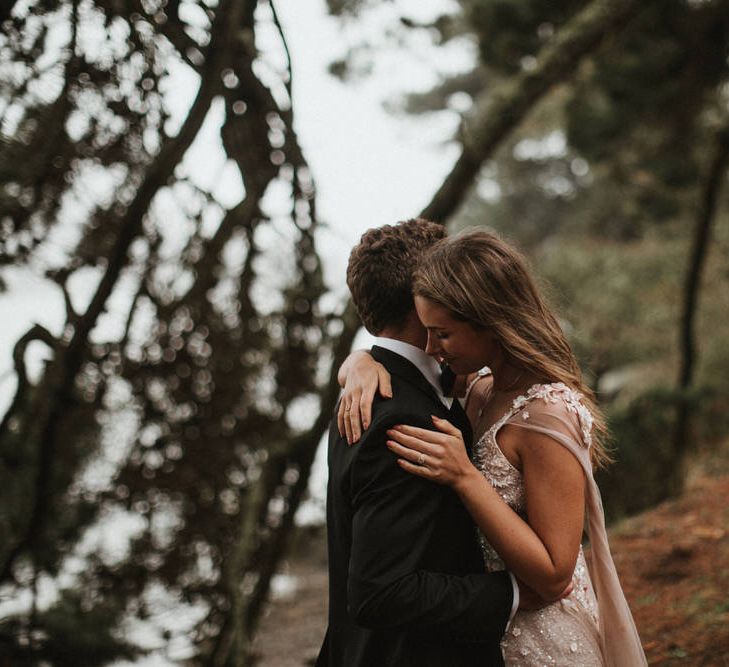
394, 515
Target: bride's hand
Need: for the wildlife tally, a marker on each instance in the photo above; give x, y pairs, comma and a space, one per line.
530, 600
361, 377
439, 455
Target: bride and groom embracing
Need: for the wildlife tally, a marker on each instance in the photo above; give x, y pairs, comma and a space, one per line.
455, 535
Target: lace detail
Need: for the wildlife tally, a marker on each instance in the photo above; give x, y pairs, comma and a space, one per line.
553, 393
505, 478
563, 633
566, 632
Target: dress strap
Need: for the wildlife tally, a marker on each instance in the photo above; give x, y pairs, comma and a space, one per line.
482, 373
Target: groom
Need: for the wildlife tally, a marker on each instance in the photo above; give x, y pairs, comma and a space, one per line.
407, 585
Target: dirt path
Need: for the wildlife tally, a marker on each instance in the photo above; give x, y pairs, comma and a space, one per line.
293, 627
673, 562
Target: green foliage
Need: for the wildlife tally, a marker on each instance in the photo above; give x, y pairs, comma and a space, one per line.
511, 30
615, 298
646, 469
639, 106
636, 106
76, 632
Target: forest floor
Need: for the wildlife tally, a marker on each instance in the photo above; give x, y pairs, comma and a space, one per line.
673, 562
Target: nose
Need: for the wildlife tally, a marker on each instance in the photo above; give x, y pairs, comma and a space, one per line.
433, 346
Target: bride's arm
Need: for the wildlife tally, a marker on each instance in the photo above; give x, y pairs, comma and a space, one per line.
361, 377
542, 552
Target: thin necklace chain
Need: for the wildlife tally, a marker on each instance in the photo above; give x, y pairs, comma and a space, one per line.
512, 385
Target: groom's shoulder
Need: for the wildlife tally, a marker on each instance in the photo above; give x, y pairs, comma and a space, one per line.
408, 405
407, 396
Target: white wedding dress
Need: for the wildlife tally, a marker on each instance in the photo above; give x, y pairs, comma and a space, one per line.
568, 632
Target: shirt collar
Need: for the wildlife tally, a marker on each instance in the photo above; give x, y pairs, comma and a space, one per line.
428, 366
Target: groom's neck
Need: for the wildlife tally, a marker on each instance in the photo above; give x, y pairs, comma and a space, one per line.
411, 331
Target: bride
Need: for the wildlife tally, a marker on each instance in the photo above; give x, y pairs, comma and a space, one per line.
538, 434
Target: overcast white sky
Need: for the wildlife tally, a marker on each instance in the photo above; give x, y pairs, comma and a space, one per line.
371, 167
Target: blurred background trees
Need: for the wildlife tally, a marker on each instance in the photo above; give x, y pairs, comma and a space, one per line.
593, 135
222, 343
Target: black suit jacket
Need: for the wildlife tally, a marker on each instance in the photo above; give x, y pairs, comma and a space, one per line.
406, 579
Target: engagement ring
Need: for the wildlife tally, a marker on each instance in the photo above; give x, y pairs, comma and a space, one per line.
421, 459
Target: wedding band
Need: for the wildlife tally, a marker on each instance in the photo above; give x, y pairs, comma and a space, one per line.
421, 459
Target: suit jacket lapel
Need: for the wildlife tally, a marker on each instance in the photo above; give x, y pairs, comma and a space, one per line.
457, 416
403, 368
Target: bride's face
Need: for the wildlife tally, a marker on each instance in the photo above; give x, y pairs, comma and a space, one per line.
462, 346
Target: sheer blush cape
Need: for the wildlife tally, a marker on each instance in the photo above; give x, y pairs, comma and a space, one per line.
556, 411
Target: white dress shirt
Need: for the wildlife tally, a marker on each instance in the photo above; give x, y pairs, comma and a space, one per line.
428, 366
430, 369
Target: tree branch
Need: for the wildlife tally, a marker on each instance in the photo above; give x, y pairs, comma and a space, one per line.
281, 33
54, 392
36, 332
558, 61
702, 232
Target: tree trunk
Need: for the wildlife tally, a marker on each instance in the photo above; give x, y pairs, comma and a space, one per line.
505, 110
692, 286
232, 646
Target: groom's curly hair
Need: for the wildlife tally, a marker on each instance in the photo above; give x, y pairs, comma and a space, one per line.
381, 267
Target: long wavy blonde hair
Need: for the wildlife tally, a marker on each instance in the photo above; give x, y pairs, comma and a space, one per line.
485, 281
